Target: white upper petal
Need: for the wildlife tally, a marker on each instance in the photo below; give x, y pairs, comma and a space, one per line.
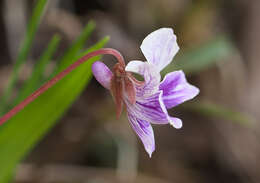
151, 76
159, 47
136, 66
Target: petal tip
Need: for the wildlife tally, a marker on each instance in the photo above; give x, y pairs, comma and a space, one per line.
176, 123
150, 155
150, 152
195, 91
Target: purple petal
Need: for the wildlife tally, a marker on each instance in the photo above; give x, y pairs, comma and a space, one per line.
102, 74
151, 76
159, 47
153, 110
176, 89
145, 132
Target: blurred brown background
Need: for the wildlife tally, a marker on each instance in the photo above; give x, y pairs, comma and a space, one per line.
90, 145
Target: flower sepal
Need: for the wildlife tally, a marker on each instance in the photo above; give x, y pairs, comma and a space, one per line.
122, 86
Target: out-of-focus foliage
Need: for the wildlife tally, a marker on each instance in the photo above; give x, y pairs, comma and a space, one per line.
23, 53
73, 51
199, 59
210, 109
36, 77
202, 57
25, 129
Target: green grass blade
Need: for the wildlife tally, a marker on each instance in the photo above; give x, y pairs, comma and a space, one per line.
34, 81
24, 50
202, 57
210, 109
77, 46
20, 134
97, 45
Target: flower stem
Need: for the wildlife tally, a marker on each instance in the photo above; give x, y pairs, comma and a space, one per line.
54, 80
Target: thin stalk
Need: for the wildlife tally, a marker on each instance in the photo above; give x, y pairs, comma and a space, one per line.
54, 80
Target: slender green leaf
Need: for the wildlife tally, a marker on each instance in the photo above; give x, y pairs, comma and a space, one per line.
215, 110
34, 81
24, 50
76, 47
98, 44
202, 57
19, 135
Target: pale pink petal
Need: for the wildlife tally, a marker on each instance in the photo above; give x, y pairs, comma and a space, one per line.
159, 47
102, 74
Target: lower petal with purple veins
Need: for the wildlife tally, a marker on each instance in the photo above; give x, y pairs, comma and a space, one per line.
144, 131
149, 109
153, 110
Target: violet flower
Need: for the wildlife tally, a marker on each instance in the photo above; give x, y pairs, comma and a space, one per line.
147, 102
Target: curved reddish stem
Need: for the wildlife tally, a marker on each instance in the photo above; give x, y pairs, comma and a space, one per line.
50, 83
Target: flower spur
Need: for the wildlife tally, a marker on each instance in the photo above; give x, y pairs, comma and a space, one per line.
147, 102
